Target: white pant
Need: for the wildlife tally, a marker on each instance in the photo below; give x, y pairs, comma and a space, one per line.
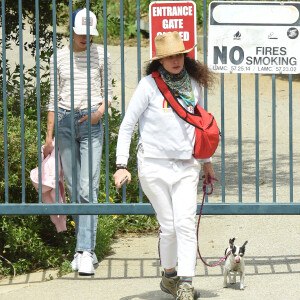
171, 187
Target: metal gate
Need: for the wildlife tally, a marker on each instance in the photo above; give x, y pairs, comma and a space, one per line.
257, 162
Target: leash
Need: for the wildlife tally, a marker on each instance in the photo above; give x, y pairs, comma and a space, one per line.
205, 192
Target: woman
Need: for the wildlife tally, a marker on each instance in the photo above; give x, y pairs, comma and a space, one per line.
85, 225
168, 172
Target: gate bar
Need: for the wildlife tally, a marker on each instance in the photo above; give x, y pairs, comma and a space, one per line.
22, 101
55, 102
38, 97
106, 127
274, 135
4, 102
223, 138
257, 135
240, 158
291, 137
146, 209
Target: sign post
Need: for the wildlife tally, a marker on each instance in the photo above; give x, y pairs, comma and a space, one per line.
169, 16
254, 37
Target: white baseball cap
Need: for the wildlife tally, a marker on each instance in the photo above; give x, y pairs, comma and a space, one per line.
79, 22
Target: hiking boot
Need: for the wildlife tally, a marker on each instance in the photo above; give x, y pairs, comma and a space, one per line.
169, 285
185, 291
76, 261
86, 267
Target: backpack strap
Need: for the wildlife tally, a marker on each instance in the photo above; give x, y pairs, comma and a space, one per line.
174, 103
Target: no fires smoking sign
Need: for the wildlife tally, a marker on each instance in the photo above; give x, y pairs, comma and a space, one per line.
254, 37
169, 16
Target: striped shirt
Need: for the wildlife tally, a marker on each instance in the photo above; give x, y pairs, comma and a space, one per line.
80, 78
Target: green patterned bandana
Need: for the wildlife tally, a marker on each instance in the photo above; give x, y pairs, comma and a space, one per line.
180, 83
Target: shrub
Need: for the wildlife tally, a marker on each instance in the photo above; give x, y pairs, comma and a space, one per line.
28, 242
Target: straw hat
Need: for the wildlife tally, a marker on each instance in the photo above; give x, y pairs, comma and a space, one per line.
168, 44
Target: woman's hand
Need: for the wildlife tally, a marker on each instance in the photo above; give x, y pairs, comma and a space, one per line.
48, 147
208, 171
120, 175
95, 117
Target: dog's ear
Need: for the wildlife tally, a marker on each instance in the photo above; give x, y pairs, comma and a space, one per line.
244, 245
242, 249
231, 242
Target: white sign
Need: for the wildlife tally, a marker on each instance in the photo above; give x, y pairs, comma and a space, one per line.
254, 37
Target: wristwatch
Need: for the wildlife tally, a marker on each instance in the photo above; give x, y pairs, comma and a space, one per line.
121, 166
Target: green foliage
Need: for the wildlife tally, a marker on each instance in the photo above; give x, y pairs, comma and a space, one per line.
28, 14
113, 23
31, 242
64, 268
107, 227
15, 158
28, 242
199, 12
113, 20
18, 129
137, 224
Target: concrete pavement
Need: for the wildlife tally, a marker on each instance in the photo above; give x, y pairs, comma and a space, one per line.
132, 271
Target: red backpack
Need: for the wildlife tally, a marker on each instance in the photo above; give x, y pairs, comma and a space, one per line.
206, 128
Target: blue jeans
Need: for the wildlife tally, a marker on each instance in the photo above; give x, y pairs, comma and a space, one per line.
85, 225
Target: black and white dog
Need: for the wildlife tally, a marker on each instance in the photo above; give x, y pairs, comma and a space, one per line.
234, 263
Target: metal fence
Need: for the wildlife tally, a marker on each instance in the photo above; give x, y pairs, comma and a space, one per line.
257, 159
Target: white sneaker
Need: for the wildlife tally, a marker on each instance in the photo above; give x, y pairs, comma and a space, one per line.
86, 267
76, 261
77, 258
